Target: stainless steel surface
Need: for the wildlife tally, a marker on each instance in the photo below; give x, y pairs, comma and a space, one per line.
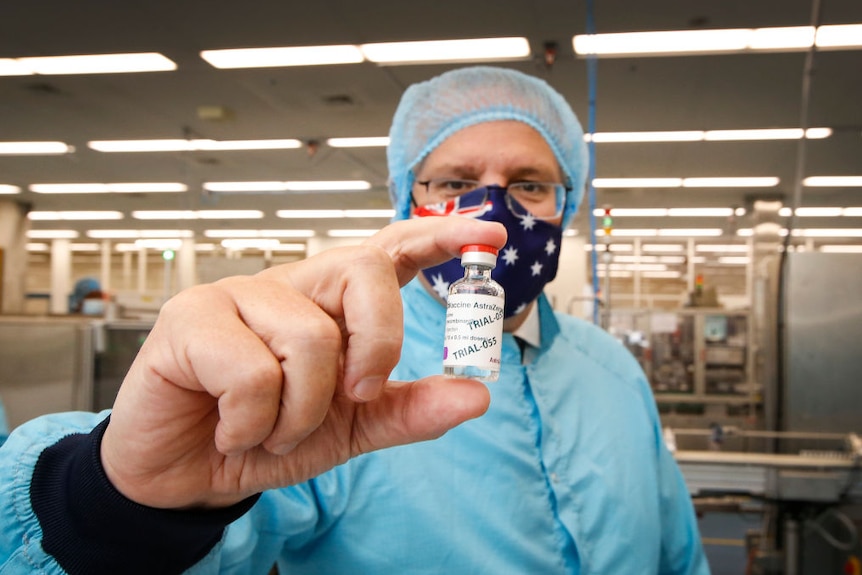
823, 388
46, 365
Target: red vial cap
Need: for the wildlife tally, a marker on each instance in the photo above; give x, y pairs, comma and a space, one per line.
479, 248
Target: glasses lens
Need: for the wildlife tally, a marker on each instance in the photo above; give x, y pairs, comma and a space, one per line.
542, 200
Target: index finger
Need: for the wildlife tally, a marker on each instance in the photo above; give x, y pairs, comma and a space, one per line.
423, 242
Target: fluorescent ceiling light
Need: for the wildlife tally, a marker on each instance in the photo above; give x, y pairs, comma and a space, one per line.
139, 234
95, 64
471, 50
369, 213
829, 233
661, 274
34, 148
709, 135
761, 182
815, 212
344, 185
734, 260
259, 233
36, 247
308, 186
85, 247
283, 56
852, 212
833, 182
120, 188
621, 232
614, 137
196, 145
680, 42
632, 212
9, 189
838, 249
637, 182
722, 248
700, 212
839, 36
44, 216
250, 243
693, 232
662, 248
52, 234
159, 244
197, 214
351, 233
301, 214
381, 141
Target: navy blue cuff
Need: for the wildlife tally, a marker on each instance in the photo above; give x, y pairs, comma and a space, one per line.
91, 528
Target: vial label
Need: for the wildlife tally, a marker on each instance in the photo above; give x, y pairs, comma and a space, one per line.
474, 331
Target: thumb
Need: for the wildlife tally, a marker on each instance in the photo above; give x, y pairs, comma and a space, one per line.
407, 412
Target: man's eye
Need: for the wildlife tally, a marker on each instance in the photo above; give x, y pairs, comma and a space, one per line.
457, 185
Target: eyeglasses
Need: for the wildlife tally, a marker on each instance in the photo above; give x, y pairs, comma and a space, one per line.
541, 200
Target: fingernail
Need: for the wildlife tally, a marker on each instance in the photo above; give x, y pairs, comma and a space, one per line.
367, 389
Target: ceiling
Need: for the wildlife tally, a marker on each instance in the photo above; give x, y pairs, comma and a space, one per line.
314, 103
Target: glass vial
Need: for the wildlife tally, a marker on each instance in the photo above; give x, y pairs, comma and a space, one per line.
474, 318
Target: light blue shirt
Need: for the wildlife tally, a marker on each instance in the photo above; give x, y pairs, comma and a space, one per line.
566, 473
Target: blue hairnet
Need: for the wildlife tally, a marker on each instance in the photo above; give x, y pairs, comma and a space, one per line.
431, 111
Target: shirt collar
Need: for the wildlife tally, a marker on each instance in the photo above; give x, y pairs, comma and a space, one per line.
530, 331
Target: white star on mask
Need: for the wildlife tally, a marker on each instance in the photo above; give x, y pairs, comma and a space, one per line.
510, 255
550, 247
528, 221
536, 268
440, 286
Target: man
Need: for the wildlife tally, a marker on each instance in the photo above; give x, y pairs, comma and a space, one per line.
280, 384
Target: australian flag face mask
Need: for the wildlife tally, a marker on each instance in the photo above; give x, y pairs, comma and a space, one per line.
528, 261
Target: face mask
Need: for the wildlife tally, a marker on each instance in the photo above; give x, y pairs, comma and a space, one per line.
93, 307
527, 262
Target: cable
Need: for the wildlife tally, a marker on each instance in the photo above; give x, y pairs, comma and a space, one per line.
801, 153
853, 533
592, 65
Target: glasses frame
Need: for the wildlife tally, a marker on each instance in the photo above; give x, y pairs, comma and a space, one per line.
509, 198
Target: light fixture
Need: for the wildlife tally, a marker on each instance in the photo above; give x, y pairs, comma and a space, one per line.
9, 189
662, 248
119, 188
632, 212
630, 137
87, 64
197, 214
351, 233
692, 232
259, 233
756, 182
159, 243
829, 232
839, 36
839, 249
816, 212
370, 142
637, 182
195, 145
250, 243
708, 135
48, 216
833, 182
139, 234
283, 56
434, 51
307, 186
301, 214
669, 275
719, 41
722, 248
700, 212
34, 148
52, 234
734, 260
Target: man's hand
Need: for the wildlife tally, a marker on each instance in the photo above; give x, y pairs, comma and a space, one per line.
263, 381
